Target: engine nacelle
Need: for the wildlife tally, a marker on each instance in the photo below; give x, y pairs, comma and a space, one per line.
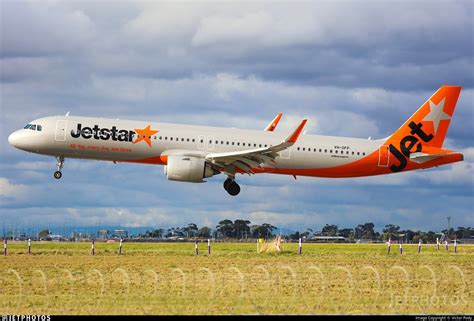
188, 169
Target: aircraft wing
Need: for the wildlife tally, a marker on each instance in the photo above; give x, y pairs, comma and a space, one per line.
273, 124
245, 160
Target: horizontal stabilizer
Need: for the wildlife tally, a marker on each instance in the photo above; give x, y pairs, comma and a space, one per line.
421, 158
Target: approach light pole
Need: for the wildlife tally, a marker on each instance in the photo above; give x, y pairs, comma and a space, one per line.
449, 225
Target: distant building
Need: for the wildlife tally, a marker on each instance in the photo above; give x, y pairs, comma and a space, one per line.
55, 237
329, 238
120, 234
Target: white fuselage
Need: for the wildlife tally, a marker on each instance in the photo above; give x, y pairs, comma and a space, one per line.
57, 139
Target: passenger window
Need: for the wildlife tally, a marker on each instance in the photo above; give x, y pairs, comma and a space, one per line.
193, 140
182, 139
358, 153
320, 150
243, 144
325, 150
298, 148
227, 143
303, 149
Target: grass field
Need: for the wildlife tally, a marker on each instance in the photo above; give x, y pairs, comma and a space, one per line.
63, 278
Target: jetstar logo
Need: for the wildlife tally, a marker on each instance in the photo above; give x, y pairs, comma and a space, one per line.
121, 135
145, 135
410, 143
406, 146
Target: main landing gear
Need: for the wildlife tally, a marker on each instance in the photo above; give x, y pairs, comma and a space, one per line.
57, 174
231, 186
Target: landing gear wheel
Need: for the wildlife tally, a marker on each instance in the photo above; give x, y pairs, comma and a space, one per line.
227, 182
60, 163
233, 188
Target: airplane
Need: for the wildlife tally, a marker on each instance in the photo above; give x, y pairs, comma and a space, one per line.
193, 153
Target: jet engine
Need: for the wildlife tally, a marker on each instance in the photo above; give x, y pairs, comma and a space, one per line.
188, 169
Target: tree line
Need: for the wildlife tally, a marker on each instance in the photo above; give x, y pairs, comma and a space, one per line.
390, 231
237, 229
243, 229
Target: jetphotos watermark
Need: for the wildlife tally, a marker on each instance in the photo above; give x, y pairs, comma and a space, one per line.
26, 318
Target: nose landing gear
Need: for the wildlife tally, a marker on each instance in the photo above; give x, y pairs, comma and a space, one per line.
231, 186
57, 174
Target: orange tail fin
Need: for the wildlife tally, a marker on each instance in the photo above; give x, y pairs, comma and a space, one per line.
431, 121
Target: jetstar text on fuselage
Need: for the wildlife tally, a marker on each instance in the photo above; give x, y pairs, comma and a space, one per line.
121, 135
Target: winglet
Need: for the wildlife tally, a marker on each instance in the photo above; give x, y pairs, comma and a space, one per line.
294, 137
271, 127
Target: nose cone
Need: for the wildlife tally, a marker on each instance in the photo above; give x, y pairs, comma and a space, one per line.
20, 139
14, 138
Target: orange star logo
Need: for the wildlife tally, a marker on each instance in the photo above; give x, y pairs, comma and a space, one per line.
145, 135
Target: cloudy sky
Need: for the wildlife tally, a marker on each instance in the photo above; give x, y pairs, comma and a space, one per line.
354, 68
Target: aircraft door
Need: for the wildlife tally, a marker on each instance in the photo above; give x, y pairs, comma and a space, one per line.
60, 134
384, 156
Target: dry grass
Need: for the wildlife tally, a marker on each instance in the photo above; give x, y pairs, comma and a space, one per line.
62, 278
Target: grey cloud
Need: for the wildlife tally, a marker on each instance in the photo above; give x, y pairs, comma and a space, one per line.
343, 44
43, 29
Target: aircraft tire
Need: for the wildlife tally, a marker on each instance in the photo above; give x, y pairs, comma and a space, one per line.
227, 182
233, 188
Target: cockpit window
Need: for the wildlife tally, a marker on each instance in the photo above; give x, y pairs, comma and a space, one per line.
34, 127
